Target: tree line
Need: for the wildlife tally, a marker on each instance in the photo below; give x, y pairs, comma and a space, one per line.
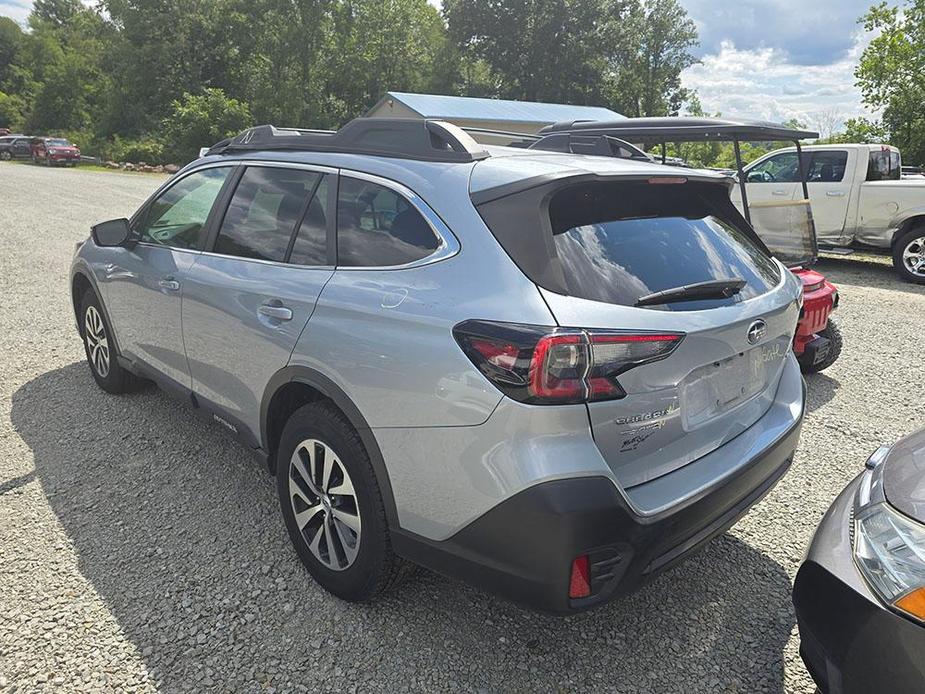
156, 79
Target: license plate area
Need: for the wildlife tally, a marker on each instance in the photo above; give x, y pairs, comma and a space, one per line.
714, 389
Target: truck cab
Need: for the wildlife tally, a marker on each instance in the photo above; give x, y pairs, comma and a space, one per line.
858, 198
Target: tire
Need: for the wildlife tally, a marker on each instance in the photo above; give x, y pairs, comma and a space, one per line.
5, 156
357, 573
908, 252
833, 334
100, 349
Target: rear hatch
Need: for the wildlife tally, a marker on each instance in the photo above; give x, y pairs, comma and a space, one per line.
603, 248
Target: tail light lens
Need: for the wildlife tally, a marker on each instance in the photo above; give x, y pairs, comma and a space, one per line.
554, 366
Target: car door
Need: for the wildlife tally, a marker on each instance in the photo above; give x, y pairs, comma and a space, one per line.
249, 295
830, 190
22, 147
143, 283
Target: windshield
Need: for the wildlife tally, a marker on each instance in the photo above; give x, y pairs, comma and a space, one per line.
57, 143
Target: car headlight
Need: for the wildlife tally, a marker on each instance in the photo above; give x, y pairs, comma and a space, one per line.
889, 547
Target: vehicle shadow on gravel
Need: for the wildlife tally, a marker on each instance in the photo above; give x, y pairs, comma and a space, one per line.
176, 528
820, 389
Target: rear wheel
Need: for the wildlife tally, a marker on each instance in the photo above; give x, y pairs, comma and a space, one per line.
332, 505
833, 335
101, 352
5, 156
909, 255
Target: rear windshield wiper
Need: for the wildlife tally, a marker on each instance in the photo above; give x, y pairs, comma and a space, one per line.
712, 289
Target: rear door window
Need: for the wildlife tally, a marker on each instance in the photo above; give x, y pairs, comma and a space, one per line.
827, 167
264, 210
378, 227
311, 243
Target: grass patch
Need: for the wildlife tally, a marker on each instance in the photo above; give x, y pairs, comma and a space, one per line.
88, 167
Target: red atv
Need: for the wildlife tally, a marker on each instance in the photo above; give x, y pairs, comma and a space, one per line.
817, 343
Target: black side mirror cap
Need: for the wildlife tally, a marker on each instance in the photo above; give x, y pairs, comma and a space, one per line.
115, 232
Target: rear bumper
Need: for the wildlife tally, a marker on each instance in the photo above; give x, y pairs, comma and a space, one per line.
523, 548
850, 643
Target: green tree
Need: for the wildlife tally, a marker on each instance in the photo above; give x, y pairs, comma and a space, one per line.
540, 50
201, 120
648, 66
627, 54
891, 73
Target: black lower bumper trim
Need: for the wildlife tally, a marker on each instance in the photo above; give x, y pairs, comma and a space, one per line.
851, 645
523, 548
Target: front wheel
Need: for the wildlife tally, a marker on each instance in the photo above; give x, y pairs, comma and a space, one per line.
833, 335
909, 255
101, 353
332, 505
5, 156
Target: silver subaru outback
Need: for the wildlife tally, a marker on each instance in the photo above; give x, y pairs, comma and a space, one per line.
550, 375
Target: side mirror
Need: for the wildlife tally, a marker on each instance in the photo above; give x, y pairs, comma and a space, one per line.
115, 232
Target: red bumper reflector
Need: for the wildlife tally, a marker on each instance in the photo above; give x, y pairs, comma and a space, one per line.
580, 584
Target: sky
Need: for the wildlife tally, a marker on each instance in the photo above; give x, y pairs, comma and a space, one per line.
778, 59
769, 59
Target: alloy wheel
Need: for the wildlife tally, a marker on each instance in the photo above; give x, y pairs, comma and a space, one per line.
914, 256
97, 341
324, 504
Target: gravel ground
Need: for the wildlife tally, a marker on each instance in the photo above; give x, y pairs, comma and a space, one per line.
141, 549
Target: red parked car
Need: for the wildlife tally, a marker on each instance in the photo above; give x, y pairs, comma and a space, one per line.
54, 150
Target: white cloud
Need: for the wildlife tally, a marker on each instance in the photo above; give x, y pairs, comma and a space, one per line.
764, 83
16, 9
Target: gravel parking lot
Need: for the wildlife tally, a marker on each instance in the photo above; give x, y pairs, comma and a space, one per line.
141, 549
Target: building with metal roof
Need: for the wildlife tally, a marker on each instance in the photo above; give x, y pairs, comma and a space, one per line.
496, 114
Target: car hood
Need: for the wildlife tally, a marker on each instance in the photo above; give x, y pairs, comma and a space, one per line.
904, 476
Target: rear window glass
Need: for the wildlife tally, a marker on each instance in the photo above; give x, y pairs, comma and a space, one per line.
617, 242
884, 165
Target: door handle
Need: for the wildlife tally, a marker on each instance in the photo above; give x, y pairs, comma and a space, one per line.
274, 309
780, 192
170, 284
835, 193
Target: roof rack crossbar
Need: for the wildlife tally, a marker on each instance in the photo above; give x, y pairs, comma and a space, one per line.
404, 138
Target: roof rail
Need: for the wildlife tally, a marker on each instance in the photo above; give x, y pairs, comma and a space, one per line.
403, 138
601, 145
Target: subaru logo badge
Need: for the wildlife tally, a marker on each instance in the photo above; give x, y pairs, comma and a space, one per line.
757, 331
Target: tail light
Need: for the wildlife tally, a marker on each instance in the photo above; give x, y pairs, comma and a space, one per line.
554, 366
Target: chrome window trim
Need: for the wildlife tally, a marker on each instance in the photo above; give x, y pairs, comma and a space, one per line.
448, 243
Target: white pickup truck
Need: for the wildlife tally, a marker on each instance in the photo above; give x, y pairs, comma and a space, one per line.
858, 198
